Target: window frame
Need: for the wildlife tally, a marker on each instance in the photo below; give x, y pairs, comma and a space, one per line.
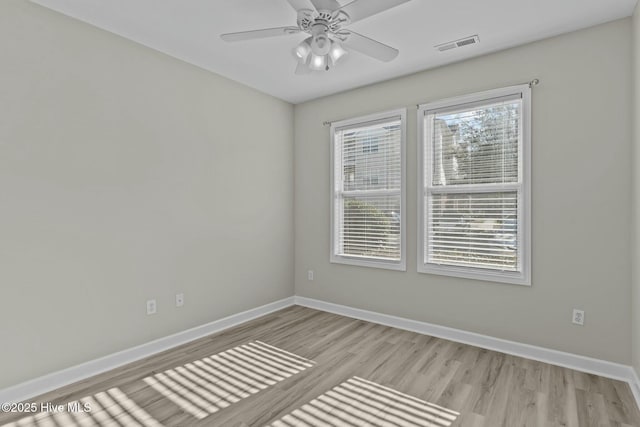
522, 277
334, 193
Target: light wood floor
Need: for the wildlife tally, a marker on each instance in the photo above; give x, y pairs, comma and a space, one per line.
302, 367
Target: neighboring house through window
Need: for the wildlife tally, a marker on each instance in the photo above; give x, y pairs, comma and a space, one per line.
370, 142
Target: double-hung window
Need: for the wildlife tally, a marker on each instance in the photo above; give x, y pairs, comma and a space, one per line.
367, 191
474, 186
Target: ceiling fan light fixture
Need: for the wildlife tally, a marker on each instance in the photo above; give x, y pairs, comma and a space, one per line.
321, 44
303, 50
336, 52
318, 62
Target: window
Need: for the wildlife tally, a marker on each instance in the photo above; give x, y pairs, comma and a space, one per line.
474, 189
370, 144
367, 191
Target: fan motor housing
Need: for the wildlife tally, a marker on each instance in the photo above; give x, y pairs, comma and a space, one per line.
331, 20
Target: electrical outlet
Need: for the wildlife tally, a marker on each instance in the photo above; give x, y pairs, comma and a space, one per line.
151, 307
179, 300
310, 275
578, 317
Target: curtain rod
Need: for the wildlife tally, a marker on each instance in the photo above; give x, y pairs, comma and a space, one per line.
531, 84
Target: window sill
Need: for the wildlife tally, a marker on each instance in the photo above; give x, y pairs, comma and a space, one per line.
369, 262
515, 278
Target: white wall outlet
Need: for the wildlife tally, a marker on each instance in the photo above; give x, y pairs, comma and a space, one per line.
310, 275
151, 306
179, 300
578, 317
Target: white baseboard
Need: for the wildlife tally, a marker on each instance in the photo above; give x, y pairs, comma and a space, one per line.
634, 383
568, 360
49, 382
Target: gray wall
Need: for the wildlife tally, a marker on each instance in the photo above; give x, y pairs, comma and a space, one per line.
127, 175
581, 205
636, 191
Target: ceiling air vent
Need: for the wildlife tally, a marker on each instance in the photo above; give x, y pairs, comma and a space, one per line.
458, 43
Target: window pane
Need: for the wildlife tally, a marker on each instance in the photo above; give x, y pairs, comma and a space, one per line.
474, 230
371, 227
478, 145
371, 157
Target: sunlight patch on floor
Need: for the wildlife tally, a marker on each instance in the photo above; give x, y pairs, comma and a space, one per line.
108, 408
358, 402
205, 386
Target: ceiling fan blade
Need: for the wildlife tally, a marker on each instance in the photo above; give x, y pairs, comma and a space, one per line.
259, 34
302, 5
302, 69
331, 5
370, 47
361, 9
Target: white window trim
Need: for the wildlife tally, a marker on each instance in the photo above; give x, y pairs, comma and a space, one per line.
366, 261
522, 277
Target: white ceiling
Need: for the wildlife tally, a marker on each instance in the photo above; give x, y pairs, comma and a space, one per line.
190, 29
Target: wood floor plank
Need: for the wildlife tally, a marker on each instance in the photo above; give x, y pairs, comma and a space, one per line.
230, 383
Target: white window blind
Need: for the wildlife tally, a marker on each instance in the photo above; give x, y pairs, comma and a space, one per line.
474, 195
367, 193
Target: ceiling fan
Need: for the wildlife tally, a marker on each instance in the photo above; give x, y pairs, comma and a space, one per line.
324, 21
